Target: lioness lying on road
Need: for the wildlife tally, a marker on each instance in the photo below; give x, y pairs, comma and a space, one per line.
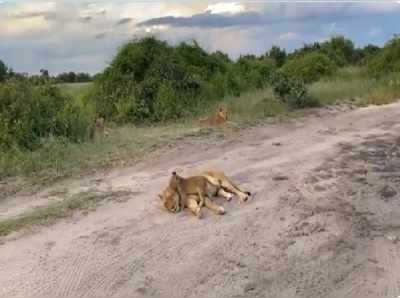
195, 192
219, 118
226, 186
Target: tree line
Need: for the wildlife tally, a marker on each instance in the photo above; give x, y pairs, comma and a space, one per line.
151, 81
65, 77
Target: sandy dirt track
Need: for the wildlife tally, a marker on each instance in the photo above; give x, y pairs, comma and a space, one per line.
322, 222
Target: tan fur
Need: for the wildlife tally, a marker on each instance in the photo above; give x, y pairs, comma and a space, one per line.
227, 185
219, 118
100, 127
194, 192
182, 192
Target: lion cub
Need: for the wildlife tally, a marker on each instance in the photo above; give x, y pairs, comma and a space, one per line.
100, 127
219, 118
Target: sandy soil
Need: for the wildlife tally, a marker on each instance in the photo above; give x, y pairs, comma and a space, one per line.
323, 220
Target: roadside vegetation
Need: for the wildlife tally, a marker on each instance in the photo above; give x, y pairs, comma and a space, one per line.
46, 215
152, 93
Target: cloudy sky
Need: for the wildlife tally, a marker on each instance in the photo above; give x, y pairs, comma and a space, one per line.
83, 35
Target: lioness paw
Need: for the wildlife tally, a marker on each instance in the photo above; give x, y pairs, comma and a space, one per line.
221, 211
199, 214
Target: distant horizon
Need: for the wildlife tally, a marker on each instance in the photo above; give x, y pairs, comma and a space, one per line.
83, 36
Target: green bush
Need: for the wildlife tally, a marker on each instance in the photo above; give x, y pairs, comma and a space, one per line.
167, 104
340, 50
254, 71
30, 113
278, 55
388, 61
292, 92
367, 53
309, 67
150, 81
131, 88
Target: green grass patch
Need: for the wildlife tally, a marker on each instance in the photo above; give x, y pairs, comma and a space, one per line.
75, 89
348, 84
352, 83
47, 215
57, 157
386, 91
255, 105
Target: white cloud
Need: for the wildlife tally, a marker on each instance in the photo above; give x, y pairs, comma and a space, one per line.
93, 9
225, 7
25, 8
23, 27
289, 36
156, 28
83, 35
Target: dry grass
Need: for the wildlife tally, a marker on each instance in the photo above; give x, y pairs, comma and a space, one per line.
348, 84
255, 105
353, 83
49, 214
123, 145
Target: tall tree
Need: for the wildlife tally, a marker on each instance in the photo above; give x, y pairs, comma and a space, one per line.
3, 71
278, 54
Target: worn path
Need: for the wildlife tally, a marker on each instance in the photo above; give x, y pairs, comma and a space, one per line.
322, 223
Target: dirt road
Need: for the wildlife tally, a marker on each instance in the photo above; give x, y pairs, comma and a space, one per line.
323, 221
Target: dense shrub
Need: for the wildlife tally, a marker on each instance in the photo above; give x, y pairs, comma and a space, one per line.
29, 114
129, 89
388, 61
255, 71
340, 50
149, 80
72, 77
367, 53
309, 67
291, 91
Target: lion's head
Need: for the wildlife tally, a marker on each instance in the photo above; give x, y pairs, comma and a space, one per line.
170, 199
222, 115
